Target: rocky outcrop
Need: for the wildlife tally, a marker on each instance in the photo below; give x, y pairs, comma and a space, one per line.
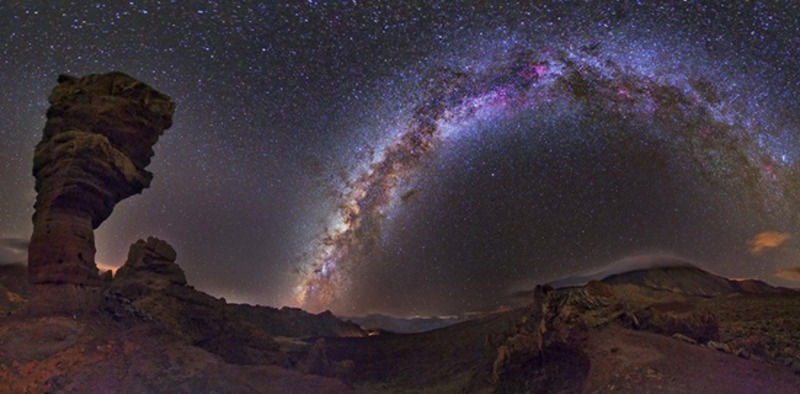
151, 286
64, 355
151, 263
543, 351
700, 326
95, 147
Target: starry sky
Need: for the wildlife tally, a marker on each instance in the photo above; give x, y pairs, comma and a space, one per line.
419, 158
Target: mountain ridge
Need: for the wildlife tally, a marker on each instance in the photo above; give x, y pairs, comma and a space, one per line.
691, 280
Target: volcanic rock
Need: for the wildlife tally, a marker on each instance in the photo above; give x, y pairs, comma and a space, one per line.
152, 286
152, 262
95, 147
700, 326
755, 286
63, 355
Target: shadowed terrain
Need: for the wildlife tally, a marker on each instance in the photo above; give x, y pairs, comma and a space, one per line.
599, 337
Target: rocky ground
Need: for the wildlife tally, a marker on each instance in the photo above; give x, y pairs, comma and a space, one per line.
154, 333
62, 354
150, 332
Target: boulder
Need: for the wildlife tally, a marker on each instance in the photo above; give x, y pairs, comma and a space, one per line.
152, 261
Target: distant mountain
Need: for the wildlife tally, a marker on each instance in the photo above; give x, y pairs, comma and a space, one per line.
624, 265
755, 286
690, 280
401, 325
664, 272
294, 322
682, 279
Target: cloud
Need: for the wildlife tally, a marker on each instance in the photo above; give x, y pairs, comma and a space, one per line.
767, 240
792, 274
13, 250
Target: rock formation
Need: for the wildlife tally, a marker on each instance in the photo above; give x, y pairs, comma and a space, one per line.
96, 145
151, 262
150, 285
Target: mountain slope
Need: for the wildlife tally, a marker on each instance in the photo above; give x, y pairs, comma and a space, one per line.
683, 279
690, 280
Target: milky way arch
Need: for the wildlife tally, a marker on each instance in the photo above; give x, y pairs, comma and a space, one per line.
691, 113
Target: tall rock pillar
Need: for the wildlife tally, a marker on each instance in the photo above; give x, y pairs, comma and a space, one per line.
96, 145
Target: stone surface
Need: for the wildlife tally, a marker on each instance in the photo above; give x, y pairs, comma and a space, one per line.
95, 147
680, 279
152, 262
701, 326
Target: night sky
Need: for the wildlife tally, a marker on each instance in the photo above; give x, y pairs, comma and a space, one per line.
419, 158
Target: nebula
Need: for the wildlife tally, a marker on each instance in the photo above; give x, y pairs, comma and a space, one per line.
688, 114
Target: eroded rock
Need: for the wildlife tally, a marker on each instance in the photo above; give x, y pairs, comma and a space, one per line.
152, 286
152, 262
95, 147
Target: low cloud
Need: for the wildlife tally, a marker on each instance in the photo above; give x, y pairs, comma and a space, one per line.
13, 250
767, 240
792, 274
